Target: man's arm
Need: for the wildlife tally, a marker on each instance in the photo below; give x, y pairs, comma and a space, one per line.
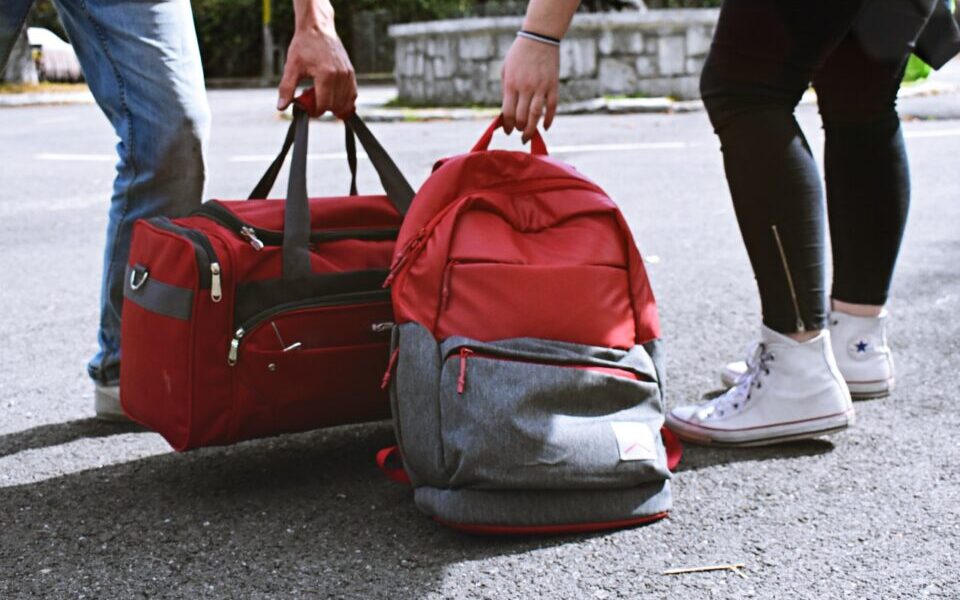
316, 51
531, 71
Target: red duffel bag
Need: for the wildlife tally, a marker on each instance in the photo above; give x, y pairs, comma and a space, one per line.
258, 317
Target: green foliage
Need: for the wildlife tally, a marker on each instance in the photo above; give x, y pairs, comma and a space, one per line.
44, 15
230, 34
230, 30
683, 3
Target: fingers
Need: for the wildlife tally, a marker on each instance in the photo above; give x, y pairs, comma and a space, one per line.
523, 110
530, 75
551, 109
345, 101
288, 86
336, 92
536, 111
325, 93
322, 57
509, 109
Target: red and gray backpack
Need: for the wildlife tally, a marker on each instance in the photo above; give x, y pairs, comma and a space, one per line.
525, 377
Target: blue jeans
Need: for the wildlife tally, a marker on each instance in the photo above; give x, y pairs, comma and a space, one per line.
142, 63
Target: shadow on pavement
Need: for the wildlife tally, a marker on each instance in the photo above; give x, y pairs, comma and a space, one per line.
302, 515
306, 515
702, 457
46, 436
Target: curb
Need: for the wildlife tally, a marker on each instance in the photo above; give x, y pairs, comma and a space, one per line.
612, 106
585, 107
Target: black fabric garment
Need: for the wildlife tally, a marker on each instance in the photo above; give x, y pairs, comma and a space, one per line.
764, 56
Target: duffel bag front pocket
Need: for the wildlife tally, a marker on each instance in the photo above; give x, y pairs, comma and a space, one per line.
311, 367
531, 414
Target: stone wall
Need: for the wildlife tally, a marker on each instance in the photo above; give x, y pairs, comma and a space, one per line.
643, 53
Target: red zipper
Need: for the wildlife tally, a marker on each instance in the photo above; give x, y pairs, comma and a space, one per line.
462, 380
412, 246
466, 353
385, 382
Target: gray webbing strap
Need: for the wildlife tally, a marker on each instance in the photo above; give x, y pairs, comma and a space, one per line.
296, 220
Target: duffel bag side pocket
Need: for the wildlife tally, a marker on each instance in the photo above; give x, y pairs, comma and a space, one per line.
160, 291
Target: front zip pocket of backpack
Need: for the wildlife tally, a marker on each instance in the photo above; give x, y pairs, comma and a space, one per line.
515, 420
478, 299
314, 366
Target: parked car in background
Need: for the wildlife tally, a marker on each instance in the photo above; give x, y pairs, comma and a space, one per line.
55, 58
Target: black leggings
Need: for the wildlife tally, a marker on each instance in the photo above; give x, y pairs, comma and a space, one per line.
765, 54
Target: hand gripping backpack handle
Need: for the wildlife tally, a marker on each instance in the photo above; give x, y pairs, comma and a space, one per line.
537, 146
296, 228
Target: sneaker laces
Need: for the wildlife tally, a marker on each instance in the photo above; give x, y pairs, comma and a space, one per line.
758, 366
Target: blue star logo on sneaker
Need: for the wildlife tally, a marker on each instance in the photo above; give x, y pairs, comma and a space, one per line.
862, 346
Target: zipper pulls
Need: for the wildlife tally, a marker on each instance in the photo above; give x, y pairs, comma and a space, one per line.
462, 379
251, 236
234, 353
412, 247
383, 327
216, 288
786, 269
385, 382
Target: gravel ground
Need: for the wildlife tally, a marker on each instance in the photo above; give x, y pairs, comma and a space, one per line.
89, 510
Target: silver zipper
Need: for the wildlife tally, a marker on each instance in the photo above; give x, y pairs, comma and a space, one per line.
251, 237
384, 327
234, 353
786, 269
216, 289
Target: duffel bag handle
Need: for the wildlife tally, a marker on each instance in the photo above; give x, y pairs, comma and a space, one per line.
537, 146
266, 183
296, 237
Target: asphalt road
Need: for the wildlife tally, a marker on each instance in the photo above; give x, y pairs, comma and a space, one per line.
97, 511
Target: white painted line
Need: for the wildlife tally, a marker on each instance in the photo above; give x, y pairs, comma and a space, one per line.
76, 157
66, 203
552, 150
55, 120
618, 147
244, 158
932, 133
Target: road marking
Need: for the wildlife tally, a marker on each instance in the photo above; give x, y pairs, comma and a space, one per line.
76, 157
553, 150
618, 147
245, 158
66, 203
932, 133
582, 148
55, 120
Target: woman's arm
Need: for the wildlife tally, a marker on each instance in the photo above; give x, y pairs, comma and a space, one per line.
531, 71
316, 51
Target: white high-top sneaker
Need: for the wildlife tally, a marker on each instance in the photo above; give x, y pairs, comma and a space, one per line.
860, 347
789, 391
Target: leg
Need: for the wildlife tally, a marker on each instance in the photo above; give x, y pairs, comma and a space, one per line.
142, 62
763, 57
868, 188
867, 175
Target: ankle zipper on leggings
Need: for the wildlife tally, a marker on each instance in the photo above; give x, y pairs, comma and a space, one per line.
786, 269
